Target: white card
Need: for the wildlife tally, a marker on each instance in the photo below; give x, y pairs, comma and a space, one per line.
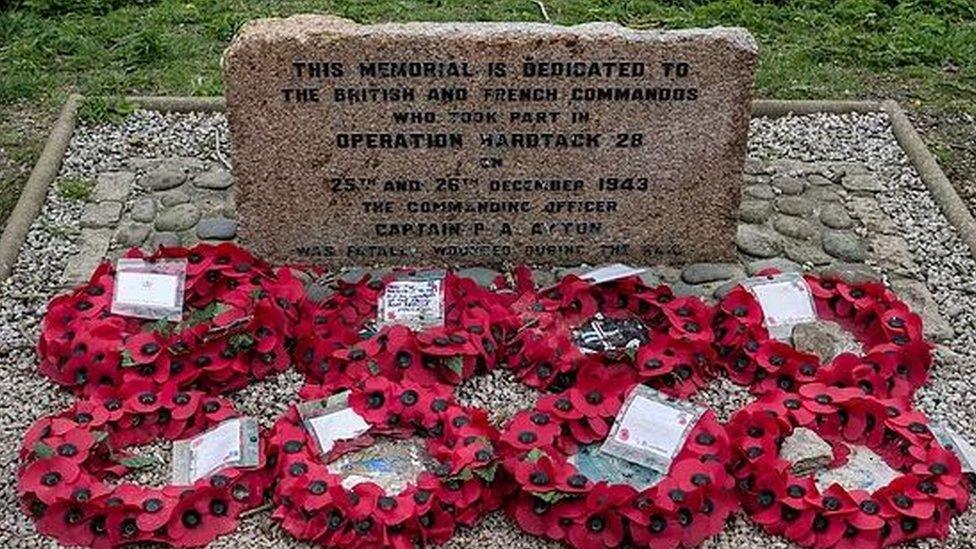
149, 289
610, 273
953, 442
233, 443
414, 303
785, 300
341, 424
215, 449
651, 428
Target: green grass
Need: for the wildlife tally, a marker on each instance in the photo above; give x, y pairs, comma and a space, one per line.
99, 109
75, 189
810, 48
922, 52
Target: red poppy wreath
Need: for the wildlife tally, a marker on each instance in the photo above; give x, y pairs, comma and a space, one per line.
895, 359
555, 500
926, 491
338, 345
72, 467
312, 503
238, 317
674, 351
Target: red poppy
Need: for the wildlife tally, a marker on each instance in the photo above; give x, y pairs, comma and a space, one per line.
200, 517
538, 517
596, 518
46, 478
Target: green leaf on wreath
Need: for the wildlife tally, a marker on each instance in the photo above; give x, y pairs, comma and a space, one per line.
139, 462
162, 327
535, 454
488, 473
127, 360
456, 364
42, 450
99, 436
553, 496
240, 342
374, 368
207, 313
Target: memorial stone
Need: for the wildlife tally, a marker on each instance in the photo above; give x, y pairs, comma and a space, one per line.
487, 143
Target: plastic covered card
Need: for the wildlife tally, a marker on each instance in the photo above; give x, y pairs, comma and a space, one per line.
331, 420
610, 273
651, 428
416, 304
233, 443
149, 289
786, 301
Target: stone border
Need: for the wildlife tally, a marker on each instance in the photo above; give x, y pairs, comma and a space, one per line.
773, 108
939, 186
46, 169
35, 190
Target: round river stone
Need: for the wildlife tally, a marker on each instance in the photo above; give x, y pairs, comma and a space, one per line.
794, 205
793, 227
755, 211
216, 228
178, 218
163, 177
843, 245
144, 210
758, 241
835, 216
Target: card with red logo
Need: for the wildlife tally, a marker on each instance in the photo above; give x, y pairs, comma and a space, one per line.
651, 428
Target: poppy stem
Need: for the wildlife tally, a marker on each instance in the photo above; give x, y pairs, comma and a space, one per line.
255, 510
524, 327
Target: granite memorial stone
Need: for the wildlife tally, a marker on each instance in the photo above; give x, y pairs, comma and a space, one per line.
487, 143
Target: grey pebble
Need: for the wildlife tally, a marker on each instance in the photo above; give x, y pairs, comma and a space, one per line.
173, 198
843, 245
216, 228
782, 264
862, 182
178, 218
835, 216
794, 227
807, 253
700, 273
794, 205
755, 211
758, 241
167, 239
788, 185
163, 177
143, 210
217, 178
112, 186
132, 234
761, 192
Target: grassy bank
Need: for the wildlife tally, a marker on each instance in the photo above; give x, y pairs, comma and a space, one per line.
922, 52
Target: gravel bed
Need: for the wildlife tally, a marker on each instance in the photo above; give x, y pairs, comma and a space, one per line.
25, 396
498, 392
146, 134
